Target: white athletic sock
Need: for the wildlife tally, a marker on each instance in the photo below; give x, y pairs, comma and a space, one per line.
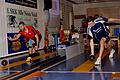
111, 53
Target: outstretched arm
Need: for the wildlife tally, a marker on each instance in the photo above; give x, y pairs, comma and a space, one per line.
113, 19
16, 37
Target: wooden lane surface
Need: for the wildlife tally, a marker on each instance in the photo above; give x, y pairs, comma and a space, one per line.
24, 61
34, 74
88, 65
115, 76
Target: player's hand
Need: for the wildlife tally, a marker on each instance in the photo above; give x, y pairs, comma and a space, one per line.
36, 47
9, 38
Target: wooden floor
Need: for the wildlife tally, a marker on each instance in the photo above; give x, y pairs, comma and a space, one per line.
115, 76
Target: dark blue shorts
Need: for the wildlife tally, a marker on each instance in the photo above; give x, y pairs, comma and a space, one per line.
97, 40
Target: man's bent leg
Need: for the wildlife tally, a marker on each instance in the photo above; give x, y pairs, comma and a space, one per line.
30, 50
92, 46
102, 44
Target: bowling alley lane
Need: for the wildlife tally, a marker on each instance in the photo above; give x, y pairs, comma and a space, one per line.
19, 65
109, 70
82, 64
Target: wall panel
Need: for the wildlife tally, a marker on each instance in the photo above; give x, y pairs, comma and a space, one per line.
4, 20
110, 12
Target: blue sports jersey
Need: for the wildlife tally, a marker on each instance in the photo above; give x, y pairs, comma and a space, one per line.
98, 31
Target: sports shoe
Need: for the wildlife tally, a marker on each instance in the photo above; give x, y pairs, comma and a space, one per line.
29, 59
98, 61
98, 68
111, 53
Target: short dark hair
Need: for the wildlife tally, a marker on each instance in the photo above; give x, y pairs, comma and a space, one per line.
90, 18
96, 16
21, 22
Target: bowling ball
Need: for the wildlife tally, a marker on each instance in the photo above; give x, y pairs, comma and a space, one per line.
4, 62
91, 57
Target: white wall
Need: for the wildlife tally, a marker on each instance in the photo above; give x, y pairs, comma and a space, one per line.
3, 35
81, 9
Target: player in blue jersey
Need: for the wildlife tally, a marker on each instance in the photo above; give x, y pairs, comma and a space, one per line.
105, 21
97, 34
